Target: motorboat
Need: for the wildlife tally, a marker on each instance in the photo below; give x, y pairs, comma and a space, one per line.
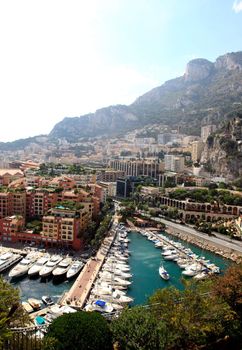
27, 307
8, 259
169, 252
159, 244
192, 270
100, 306
163, 273
47, 300
120, 298
201, 275
74, 269
49, 267
35, 269
23, 266
62, 267
35, 303
172, 256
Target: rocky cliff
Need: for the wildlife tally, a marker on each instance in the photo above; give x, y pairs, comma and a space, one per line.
223, 150
205, 93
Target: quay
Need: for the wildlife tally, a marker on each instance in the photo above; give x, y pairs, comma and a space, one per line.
79, 292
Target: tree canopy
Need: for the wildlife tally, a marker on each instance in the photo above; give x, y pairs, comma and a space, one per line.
80, 331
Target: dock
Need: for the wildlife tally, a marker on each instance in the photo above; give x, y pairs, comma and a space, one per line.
76, 297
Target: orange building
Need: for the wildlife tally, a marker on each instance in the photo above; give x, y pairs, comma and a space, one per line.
64, 226
9, 175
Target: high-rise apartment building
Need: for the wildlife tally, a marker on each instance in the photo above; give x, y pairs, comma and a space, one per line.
197, 148
138, 167
174, 163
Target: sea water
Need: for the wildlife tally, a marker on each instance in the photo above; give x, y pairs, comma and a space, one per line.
145, 260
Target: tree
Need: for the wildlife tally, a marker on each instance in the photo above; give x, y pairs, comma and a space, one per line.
80, 331
137, 328
11, 311
193, 317
229, 287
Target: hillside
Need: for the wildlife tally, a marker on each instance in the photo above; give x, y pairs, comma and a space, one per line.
205, 93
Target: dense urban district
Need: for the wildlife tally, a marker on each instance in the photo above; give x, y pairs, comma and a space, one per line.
69, 204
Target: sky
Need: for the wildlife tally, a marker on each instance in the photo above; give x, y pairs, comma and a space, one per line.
67, 58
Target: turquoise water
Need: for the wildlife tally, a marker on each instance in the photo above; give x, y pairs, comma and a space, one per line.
145, 260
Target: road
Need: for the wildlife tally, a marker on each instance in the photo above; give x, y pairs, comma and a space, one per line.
232, 246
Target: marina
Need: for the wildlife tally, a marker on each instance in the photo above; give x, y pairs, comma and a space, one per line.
127, 269
145, 260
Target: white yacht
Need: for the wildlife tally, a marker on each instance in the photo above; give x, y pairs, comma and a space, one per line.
49, 267
62, 267
192, 270
74, 269
35, 269
8, 259
100, 306
23, 266
119, 298
163, 273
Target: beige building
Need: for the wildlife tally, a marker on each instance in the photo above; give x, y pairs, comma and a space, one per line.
197, 148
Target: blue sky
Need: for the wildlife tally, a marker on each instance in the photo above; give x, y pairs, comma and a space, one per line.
70, 57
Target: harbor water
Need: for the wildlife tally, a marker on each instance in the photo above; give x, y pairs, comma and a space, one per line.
37, 287
145, 260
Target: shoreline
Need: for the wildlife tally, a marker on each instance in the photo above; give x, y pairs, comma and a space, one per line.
201, 242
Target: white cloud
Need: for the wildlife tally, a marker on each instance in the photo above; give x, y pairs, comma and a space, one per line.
237, 6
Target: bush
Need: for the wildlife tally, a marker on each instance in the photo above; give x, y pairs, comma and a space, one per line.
80, 331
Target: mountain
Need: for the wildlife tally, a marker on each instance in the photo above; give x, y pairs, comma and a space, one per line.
206, 93
223, 150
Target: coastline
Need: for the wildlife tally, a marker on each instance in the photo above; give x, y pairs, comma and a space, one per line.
218, 246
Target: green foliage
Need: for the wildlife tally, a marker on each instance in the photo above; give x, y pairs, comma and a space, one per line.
207, 196
80, 331
193, 317
137, 329
11, 312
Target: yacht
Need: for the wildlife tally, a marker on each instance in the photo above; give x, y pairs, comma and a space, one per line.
120, 298
27, 307
100, 306
23, 266
163, 273
74, 269
35, 303
192, 270
8, 259
49, 267
35, 269
47, 300
62, 267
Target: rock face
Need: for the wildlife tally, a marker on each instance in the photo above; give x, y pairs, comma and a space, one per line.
223, 150
230, 61
198, 69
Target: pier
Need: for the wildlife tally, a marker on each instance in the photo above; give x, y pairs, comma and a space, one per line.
79, 292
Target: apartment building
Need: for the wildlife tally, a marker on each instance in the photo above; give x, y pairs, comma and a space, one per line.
12, 203
66, 227
138, 167
9, 175
174, 163
10, 226
197, 148
39, 201
109, 175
